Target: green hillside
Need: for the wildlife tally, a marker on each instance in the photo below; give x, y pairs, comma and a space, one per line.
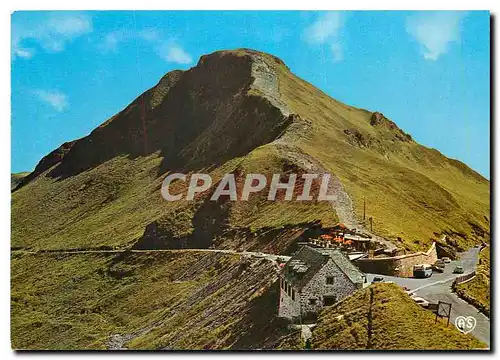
412, 192
181, 300
477, 291
237, 112
103, 189
16, 178
383, 317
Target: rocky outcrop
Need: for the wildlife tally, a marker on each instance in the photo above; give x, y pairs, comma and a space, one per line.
54, 158
378, 119
266, 82
357, 138
161, 90
16, 179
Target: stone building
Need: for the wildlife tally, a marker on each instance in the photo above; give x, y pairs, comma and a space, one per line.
313, 278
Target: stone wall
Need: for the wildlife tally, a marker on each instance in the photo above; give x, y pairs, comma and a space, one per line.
288, 308
397, 265
316, 289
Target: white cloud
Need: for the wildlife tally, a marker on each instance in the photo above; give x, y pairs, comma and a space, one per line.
325, 27
150, 35
174, 53
169, 51
56, 99
435, 31
327, 30
112, 40
50, 31
22, 53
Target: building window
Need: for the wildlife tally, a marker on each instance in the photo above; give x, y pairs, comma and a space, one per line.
289, 291
286, 286
312, 301
329, 300
282, 283
329, 280
293, 294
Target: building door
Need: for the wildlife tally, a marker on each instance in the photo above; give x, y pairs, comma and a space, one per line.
329, 300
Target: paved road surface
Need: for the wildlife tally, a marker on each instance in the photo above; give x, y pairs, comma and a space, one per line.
468, 261
438, 288
459, 307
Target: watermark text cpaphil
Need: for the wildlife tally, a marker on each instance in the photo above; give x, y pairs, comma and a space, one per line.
303, 187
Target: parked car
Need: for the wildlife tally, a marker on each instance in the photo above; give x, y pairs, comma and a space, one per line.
446, 260
458, 270
440, 262
377, 279
421, 301
422, 270
438, 268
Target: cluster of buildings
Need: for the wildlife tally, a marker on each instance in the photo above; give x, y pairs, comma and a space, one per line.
329, 266
343, 238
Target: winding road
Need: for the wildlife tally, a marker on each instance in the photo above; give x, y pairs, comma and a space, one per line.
98, 251
438, 288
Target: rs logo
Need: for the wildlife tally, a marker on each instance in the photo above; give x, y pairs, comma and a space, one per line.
465, 324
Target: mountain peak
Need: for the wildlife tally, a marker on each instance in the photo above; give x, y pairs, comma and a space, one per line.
239, 54
233, 94
243, 109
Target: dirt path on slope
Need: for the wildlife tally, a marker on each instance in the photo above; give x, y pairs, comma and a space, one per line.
342, 205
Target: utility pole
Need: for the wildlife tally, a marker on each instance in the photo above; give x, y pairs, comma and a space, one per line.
364, 208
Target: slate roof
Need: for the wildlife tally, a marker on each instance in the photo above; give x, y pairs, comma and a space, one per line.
302, 267
343, 262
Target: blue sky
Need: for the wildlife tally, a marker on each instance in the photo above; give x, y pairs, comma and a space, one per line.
427, 71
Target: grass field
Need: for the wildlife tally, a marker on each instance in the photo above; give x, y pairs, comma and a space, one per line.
384, 317
412, 192
182, 300
477, 291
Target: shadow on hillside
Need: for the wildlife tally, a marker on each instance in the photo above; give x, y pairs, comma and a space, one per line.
261, 328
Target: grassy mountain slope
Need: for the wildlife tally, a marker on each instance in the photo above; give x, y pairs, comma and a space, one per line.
382, 317
412, 192
235, 112
181, 300
477, 290
16, 178
240, 111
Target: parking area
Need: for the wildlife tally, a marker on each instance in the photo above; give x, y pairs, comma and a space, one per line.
467, 260
438, 288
